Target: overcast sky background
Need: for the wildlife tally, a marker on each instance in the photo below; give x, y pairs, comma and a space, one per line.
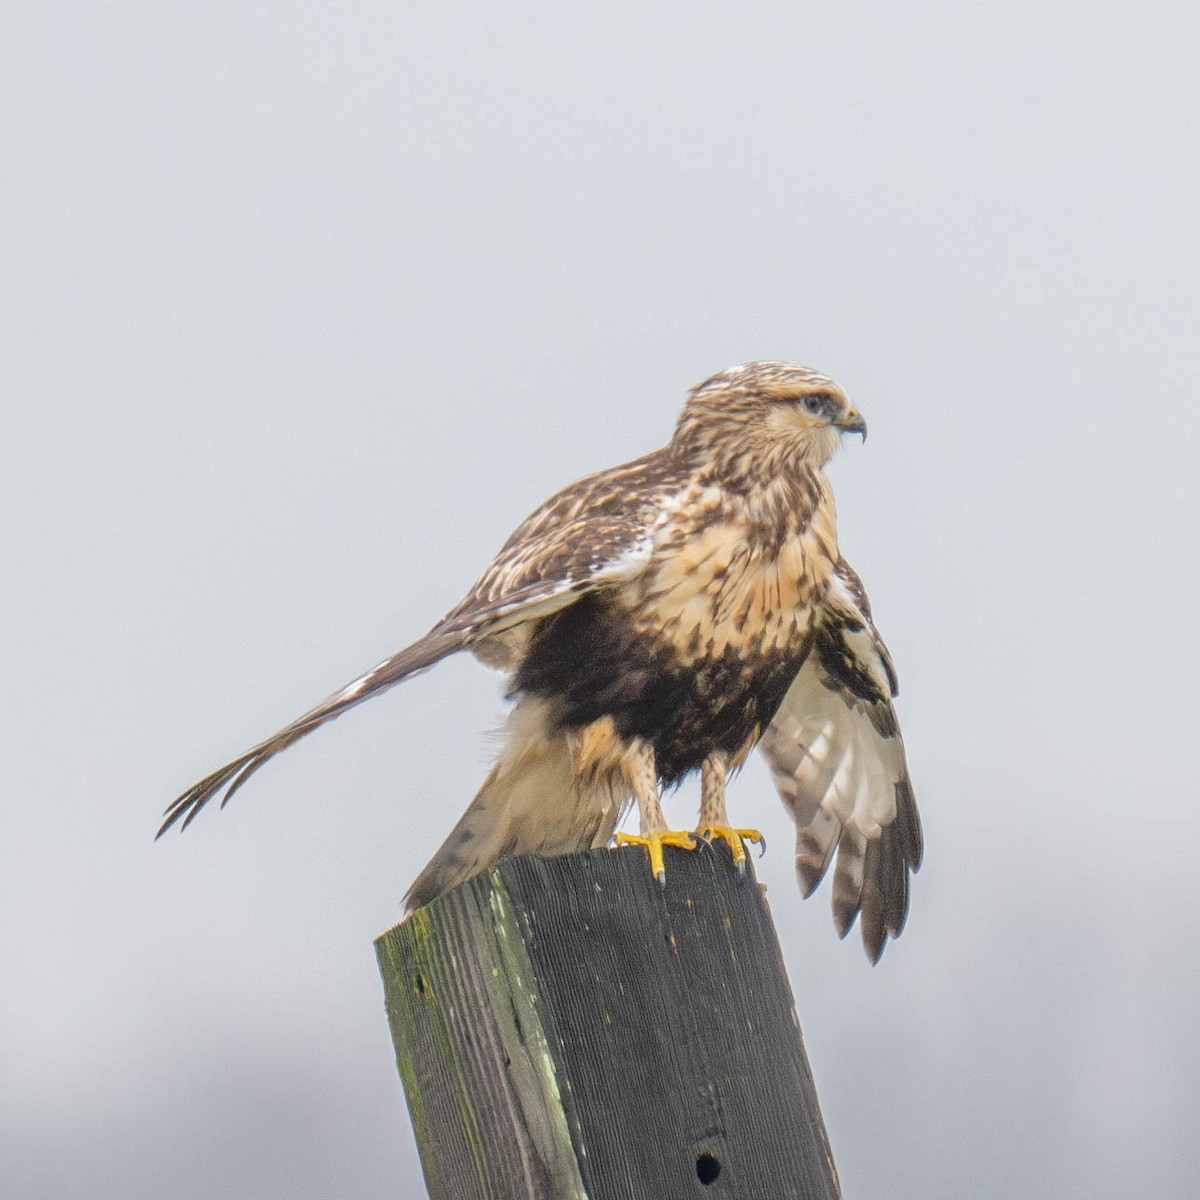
306, 305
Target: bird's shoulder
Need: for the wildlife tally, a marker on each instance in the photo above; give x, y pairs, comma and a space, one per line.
849, 626
597, 531
625, 496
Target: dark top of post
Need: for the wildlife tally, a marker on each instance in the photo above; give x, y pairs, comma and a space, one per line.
566, 1028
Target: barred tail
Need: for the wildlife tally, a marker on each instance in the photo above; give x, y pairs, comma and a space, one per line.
532, 802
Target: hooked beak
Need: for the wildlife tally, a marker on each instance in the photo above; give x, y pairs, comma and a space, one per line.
852, 422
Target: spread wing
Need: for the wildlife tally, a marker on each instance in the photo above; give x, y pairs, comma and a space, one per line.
596, 533
837, 758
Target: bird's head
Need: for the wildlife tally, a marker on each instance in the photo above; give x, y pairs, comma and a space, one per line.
764, 416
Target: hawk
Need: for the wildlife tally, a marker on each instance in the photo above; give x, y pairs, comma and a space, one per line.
663, 617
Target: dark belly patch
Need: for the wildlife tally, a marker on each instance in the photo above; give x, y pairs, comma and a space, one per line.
591, 662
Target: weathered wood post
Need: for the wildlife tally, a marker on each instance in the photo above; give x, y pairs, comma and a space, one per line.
564, 1027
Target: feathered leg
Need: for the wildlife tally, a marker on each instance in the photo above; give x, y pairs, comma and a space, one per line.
639, 771
714, 818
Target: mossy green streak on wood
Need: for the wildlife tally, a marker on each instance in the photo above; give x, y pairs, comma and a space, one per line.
471, 1050
420, 943
421, 975
517, 987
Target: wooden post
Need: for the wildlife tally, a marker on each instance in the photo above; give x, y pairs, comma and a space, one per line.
564, 1027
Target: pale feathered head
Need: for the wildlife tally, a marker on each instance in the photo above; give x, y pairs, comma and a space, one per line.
763, 415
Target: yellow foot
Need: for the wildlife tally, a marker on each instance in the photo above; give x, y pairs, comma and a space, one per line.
655, 842
733, 839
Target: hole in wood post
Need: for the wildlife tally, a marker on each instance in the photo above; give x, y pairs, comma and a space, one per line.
707, 1169
419, 985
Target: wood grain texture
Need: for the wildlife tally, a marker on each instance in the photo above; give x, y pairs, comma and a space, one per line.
566, 1028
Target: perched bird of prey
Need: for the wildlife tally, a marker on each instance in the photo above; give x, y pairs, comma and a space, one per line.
663, 617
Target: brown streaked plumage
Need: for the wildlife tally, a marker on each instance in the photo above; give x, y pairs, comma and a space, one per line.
664, 617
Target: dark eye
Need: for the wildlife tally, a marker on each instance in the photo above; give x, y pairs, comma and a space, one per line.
815, 403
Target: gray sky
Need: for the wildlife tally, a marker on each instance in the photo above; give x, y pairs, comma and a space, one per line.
306, 305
